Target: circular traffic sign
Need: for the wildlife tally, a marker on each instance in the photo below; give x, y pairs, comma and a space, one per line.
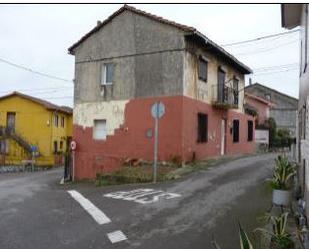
73, 145
157, 110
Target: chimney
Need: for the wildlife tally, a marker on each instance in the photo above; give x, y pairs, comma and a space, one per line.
99, 23
250, 81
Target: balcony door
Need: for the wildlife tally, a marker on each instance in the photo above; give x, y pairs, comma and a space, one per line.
221, 84
10, 121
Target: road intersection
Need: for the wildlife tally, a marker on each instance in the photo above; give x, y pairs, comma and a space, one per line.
36, 212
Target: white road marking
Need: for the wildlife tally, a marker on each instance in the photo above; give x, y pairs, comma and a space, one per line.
116, 236
96, 213
142, 196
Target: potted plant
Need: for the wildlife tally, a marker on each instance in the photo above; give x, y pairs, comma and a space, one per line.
279, 237
245, 243
281, 181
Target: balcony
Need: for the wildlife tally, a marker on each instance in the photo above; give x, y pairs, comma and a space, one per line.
224, 97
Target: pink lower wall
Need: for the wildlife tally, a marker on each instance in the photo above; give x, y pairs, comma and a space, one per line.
262, 109
178, 136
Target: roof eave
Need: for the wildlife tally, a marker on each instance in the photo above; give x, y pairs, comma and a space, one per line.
290, 15
245, 69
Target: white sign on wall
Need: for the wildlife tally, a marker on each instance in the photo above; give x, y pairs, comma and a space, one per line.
262, 136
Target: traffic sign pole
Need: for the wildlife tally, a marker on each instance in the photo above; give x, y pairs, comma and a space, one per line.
156, 138
73, 148
157, 112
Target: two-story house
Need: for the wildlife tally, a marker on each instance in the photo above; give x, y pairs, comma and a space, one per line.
31, 125
134, 59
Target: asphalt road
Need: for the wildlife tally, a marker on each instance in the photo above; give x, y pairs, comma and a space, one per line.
36, 212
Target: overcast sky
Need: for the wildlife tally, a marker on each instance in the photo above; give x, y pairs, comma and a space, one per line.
37, 37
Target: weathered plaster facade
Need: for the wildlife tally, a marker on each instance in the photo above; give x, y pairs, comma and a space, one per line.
85, 114
148, 58
207, 91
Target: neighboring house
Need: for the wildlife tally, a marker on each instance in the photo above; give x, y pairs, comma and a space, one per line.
133, 59
260, 108
27, 123
283, 111
294, 15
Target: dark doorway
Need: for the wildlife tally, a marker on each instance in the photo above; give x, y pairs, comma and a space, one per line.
10, 121
221, 85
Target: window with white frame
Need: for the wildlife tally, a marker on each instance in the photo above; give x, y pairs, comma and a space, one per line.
107, 74
99, 129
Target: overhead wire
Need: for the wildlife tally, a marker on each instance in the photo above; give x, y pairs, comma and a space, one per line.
34, 71
260, 38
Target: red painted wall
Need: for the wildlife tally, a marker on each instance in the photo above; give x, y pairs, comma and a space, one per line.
177, 137
130, 141
213, 146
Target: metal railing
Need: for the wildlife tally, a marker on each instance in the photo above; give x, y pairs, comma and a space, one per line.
224, 95
9, 132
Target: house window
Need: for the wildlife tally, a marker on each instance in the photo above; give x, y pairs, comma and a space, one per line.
267, 96
56, 119
107, 74
202, 128
61, 145
235, 89
202, 69
221, 89
62, 121
55, 146
235, 131
250, 130
99, 129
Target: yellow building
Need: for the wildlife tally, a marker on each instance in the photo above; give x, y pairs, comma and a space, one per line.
31, 126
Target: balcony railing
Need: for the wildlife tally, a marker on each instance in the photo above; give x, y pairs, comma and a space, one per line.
224, 97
